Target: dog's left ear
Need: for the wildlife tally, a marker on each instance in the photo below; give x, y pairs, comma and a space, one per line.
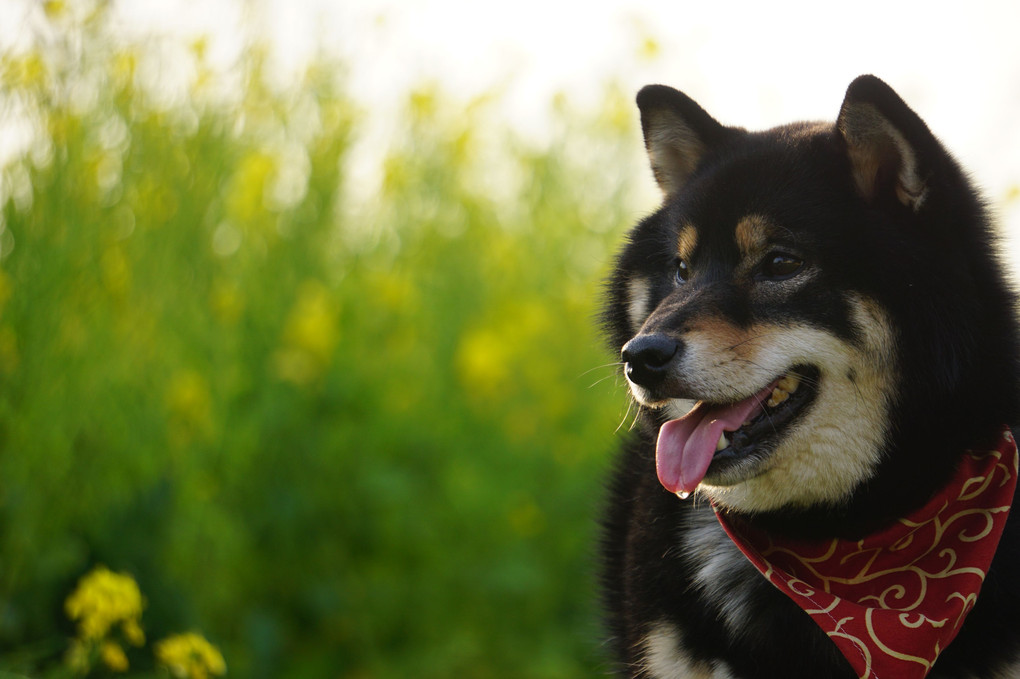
886, 142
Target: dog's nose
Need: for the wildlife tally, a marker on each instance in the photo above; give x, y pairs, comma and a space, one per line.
647, 358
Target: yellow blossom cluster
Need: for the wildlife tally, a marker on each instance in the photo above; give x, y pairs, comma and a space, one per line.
104, 598
190, 656
310, 335
103, 602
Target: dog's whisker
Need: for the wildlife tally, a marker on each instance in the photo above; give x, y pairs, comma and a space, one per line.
614, 364
633, 422
630, 405
601, 380
749, 339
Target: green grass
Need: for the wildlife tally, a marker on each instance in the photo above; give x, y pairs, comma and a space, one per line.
338, 434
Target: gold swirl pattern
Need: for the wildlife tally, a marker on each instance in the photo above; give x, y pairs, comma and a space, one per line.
892, 601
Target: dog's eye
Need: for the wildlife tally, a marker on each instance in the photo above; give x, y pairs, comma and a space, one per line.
779, 266
682, 273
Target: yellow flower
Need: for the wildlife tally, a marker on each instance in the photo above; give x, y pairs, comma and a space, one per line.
494, 358
133, 632
54, 8
102, 599
113, 656
246, 190
484, 361
226, 301
649, 49
188, 397
312, 326
125, 63
116, 272
310, 335
23, 72
190, 656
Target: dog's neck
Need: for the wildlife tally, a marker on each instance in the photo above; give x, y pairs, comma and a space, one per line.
878, 503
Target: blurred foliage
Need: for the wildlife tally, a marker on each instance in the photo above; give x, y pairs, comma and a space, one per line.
339, 433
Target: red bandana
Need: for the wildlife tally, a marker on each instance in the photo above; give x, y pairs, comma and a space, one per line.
896, 599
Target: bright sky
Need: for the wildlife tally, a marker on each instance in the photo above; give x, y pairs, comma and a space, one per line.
753, 64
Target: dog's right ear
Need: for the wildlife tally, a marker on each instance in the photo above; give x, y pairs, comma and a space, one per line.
677, 132
889, 146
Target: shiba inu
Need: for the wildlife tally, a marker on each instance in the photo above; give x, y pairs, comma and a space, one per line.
823, 348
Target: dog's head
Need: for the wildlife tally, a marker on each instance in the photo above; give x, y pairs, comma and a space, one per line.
805, 301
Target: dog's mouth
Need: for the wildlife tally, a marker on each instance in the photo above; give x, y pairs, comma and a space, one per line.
724, 442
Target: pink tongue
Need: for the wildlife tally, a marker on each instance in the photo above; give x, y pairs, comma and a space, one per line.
686, 446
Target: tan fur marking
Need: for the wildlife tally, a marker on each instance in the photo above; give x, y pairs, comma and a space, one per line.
723, 336
638, 294
752, 234
731, 351
686, 241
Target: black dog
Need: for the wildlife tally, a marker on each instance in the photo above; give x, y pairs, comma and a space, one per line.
824, 350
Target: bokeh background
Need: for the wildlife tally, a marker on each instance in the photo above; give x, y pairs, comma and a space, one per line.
298, 305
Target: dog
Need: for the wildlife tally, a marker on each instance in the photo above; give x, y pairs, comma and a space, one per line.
823, 347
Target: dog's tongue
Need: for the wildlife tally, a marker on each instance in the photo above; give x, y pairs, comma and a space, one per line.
686, 446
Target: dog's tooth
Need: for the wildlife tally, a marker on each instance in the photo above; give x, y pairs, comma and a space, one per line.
789, 383
777, 397
722, 442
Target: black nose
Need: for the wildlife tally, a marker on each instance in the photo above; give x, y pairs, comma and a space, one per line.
647, 358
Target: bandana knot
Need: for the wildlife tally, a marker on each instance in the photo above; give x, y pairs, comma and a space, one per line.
894, 600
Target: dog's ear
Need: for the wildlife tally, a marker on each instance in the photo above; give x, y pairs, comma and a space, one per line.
886, 142
677, 132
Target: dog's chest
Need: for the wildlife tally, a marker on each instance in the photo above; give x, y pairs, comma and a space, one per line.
720, 573
721, 581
